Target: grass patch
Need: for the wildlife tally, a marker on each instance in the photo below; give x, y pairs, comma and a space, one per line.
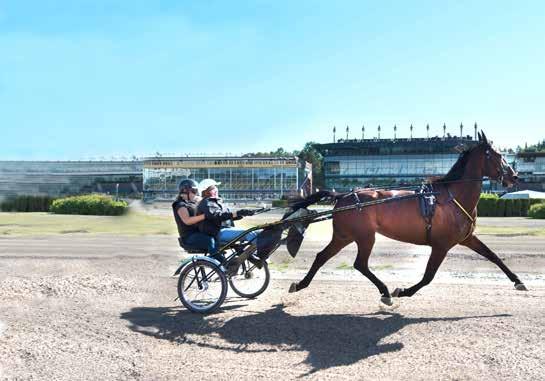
510, 231
344, 266
131, 224
281, 267
73, 231
135, 224
381, 267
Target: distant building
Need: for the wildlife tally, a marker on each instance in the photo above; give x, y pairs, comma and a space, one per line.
531, 169
242, 178
59, 178
389, 162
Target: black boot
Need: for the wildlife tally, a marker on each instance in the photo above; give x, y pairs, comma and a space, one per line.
256, 261
218, 257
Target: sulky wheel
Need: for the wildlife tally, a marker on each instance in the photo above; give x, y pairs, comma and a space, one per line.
202, 286
250, 281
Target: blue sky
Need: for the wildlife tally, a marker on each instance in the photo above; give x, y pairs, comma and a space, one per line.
94, 78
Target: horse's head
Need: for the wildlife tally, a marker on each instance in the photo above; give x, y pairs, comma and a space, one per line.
495, 167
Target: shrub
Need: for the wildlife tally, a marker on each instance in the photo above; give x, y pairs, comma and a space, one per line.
280, 203
500, 207
537, 211
516, 207
26, 204
509, 207
89, 205
487, 205
524, 206
534, 201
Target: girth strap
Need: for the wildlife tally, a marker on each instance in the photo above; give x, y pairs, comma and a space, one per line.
463, 210
473, 220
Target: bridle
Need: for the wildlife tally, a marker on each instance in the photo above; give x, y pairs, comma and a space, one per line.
504, 167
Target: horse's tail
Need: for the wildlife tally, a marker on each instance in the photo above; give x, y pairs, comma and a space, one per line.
323, 195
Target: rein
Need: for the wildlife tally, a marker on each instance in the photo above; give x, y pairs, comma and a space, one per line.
412, 186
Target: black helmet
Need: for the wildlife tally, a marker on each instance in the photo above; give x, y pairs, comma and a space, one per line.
188, 185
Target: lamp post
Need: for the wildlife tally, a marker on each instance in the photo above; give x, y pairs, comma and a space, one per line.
379, 131
395, 131
475, 136
334, 130
428, 130
461, 130
444, 130
347, 132
411, 128
363, 132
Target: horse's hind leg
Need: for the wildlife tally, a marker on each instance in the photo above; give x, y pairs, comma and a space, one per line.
479, 247
321, 258
435, 260
362, 265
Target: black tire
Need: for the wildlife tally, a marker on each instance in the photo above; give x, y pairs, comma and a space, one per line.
243, 286
194, 282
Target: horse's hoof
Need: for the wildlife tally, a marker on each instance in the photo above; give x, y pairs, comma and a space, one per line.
520, 287
397, 292
386, 300
293, 288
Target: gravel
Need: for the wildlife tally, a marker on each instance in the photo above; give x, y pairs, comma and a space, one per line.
81, 307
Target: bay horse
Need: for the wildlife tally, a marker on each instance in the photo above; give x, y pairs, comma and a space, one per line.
453, 222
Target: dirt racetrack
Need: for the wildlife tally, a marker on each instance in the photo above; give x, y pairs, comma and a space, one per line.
82, 306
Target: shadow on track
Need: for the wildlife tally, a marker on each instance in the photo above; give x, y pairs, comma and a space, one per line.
330, 340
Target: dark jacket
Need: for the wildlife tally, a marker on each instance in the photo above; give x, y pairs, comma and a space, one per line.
217, 216
185, 230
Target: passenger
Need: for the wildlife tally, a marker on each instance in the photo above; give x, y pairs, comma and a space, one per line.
185, 214
219, 219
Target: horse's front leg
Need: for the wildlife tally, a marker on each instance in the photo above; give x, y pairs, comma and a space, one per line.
479, 247
321, 258
435, 260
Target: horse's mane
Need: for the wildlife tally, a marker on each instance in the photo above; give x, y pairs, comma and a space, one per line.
457, 170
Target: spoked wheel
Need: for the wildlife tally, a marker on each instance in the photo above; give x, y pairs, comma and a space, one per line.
202, 286
250, 281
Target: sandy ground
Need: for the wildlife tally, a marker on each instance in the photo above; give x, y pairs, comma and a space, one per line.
79, 306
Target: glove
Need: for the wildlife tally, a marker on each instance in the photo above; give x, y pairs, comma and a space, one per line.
245, 212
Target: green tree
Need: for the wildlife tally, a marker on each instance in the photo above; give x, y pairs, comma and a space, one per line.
539, 147
310, 153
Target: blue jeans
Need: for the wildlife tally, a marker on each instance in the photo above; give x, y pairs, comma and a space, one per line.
201, 241
227, 234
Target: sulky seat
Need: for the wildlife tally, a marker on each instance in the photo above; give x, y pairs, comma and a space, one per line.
191, 250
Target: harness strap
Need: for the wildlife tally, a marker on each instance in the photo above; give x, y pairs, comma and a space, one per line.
467, 215
463, 210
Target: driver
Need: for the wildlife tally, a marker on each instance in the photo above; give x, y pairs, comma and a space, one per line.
219, 220
185, 214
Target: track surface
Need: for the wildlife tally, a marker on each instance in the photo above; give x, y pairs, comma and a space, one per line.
99, 307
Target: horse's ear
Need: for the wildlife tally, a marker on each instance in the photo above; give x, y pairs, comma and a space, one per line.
480, 136
485, 140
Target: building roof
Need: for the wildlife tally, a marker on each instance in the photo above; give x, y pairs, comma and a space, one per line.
524, 194
433, 145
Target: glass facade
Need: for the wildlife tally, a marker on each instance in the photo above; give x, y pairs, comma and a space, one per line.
374, 162
531, 170
241, 178
59, 178
342, 172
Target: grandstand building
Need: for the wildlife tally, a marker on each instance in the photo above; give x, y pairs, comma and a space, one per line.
531, 170
242, 178
58, 178
351, 163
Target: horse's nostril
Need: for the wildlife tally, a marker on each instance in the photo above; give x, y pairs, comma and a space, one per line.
515, 177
